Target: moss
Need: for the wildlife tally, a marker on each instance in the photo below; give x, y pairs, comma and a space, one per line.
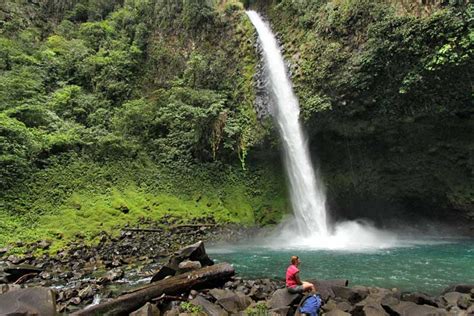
86, 197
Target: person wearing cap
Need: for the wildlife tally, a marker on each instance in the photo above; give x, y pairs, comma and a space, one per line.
293, 282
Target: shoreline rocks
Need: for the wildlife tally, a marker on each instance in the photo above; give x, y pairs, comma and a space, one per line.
82, 275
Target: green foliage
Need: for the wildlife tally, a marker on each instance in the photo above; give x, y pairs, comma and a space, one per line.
188, 307
259, 309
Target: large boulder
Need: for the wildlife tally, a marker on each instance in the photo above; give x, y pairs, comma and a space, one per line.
194, 252
461, 288
231, 301
282, 298
419, 298
404, 308
324, 287
30, 301
208, 307
353, 295
454, 299
369, 309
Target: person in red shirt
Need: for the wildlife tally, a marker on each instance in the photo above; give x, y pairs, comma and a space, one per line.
293, 282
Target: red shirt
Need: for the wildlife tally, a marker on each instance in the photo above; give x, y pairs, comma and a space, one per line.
291, 276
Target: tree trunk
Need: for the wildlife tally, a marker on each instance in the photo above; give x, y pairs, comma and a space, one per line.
123, 305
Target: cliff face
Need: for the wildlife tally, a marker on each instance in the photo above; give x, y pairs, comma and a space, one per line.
386, 96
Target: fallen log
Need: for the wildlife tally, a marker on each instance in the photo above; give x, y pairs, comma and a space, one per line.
123, 305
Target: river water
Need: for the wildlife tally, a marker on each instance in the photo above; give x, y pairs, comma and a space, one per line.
428, 266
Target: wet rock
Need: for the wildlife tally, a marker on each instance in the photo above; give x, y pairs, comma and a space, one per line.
86, 292
419, 298
45, 275
30, 301
208, 307
281, 298
3, 251
455, 299
111, 275
461, 288
147, 310
186, 266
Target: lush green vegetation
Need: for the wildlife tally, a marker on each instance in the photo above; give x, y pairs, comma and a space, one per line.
116, 110
111, 111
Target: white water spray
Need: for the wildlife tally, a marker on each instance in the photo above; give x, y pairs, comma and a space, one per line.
310, 225
307, 196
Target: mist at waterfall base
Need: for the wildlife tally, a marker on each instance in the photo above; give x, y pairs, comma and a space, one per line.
309, 226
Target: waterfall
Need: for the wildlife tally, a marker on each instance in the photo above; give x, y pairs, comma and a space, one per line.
306, 190
309, 227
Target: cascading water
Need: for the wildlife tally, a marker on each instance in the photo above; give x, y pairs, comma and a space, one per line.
306, 191
307, 196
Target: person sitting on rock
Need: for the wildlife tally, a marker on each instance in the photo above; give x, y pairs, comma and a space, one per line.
293, 282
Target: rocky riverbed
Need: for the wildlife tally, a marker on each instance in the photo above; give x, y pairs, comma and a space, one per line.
84, 275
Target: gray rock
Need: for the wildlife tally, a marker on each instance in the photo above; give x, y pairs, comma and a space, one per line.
187, 265
344, 306
281, 298
219, 293
208, 307
336, 312
370, 309
30, 301
461, 288
194, 252
147, 310
451, 299
111, 275
235, 302
44, 244
283, 311
405, 308
353, 295
419, 298
329, 305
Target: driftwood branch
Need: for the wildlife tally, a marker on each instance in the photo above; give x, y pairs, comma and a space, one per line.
123, 305
25, 278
